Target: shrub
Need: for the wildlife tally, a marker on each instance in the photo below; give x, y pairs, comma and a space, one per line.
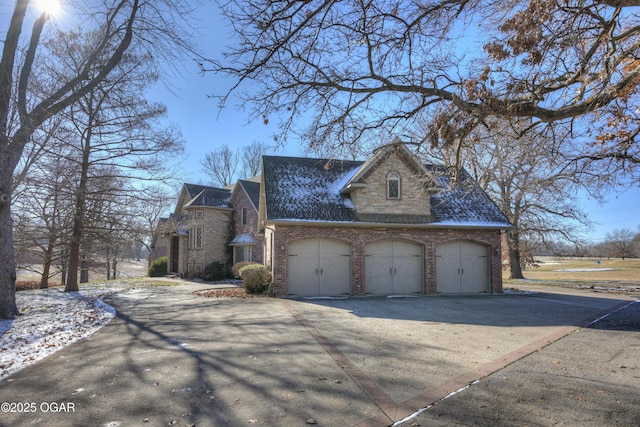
249, 267
158, 267
214, 271
256, 279
25, 285
238, 265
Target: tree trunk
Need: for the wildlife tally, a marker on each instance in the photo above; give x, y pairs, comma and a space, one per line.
48, 254
513, 245
74, 247
78, 220
8, 307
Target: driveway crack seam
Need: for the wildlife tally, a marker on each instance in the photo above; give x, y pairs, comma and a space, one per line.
387, 405
464, 381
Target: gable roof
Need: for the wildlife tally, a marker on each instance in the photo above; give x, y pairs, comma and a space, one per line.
251, 189
193, 195
303, 189
397, 147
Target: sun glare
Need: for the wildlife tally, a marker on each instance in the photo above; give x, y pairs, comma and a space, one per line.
50, 7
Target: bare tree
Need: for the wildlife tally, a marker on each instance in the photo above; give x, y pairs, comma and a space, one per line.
152, 204
533, 184
221, 165
45, 211
251, 158
116, 132
361, 69
636, 245
125, 23
620, 242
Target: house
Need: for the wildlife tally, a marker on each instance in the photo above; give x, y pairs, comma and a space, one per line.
211, 224
390, 225
199, 229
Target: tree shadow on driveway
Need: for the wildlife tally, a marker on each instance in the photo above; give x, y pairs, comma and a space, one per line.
540, 309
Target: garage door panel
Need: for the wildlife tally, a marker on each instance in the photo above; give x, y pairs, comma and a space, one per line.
302, 274
408, 274
462, 267
448, 268
474, 273
393, 266
378, 270
319, 267
335, 274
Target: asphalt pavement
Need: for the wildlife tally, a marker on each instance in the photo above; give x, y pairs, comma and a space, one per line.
555, 357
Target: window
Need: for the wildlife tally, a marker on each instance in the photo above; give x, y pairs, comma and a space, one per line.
198, 237
393, 185
199, 214
241, 253
244, 216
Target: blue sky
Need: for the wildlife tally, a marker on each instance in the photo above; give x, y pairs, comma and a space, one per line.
205, 128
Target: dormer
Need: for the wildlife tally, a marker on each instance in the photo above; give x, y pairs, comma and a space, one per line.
393, 181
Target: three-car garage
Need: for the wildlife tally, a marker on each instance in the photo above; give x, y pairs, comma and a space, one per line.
323, 266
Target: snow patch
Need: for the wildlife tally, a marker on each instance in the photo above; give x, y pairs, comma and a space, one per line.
50, 320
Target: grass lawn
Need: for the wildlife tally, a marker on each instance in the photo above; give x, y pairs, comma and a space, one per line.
615, 273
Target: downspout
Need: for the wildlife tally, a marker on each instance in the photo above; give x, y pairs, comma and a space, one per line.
264, 247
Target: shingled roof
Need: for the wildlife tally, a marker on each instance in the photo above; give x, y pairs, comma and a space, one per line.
252, 189
463, 202
308, 189
303, 189
203, 196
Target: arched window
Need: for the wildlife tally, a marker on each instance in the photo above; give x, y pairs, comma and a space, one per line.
393, 185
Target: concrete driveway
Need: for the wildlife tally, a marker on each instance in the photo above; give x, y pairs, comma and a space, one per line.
171, 358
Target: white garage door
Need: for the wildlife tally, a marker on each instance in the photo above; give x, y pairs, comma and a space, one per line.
462, 267
319, 267
393, 267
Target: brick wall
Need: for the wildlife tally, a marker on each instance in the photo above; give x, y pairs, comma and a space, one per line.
359, 237
251, 227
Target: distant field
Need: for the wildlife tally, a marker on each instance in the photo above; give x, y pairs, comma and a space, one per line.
125, 269
583, 272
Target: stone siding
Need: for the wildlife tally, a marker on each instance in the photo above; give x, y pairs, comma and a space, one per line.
414, 200
215, 236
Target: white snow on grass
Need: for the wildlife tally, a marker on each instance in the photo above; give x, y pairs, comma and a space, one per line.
52, 319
